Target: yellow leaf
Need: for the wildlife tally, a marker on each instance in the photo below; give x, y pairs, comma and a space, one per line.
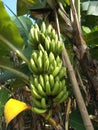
12, 108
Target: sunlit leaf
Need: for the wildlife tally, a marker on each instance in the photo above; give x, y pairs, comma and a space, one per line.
12, 108
9, 31
23, 6
86, 29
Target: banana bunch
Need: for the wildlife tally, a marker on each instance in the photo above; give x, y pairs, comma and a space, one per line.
42, 62
47, 92
45, 39
47, 80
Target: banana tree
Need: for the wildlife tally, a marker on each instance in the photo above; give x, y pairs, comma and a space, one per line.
21, 55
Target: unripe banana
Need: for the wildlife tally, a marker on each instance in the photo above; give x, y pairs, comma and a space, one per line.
35, 81
51, 69
49, 28
56, 71
51, 80
56, 88
36, 102
51, 57
53, 34
65, 96
46, 78
54, 63
36, 27
33, 67
32, 33
40, 90
39, 64
43, 27
40, 47
46, 65
41, 80
48, 88
58, 61
34, 56
60, 48
43, 103
38, 111
58, 97
47, 44
36, 36
46, 61
62, 73
34, 92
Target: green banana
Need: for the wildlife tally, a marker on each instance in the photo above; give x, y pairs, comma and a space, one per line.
51, 80
47, 44
56, 88
62, 73
36, 102
33, 67
38, 111
46, 61
46, 65
49, 29
56, 71
35, 81
51, 57
58, 97
34, 56
40, 90
43, 27
53, 33
63, 83
52, 46
60, 48
51, 69
32, 33
59, 61
36, 27
41, 81
41, 48
39, 64
43, 103
46, 78
34, 92
48, 88
36, 36
64, 97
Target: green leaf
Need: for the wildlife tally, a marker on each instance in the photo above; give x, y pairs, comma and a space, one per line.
10, 32
91, 7
4, 96
23, 23
8, 29
23, 6
92, 42
75, 120
92, 39
86, 29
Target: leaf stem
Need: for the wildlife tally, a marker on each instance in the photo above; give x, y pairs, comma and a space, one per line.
20, 74
11, 46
